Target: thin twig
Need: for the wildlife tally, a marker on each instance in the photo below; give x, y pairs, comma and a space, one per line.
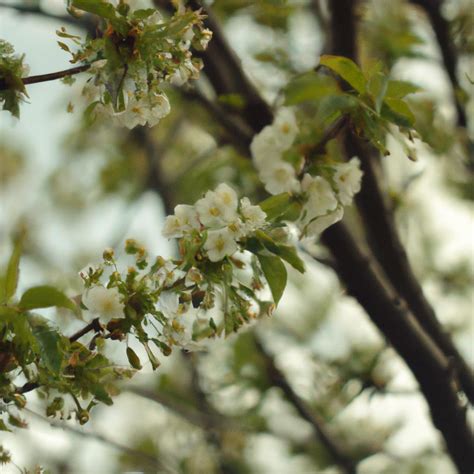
52, 76
152, 461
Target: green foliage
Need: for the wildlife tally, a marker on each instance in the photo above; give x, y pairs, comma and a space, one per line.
11, 278
45, 297
12, 89
275, 274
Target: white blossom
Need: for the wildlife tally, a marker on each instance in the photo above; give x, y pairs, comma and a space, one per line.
285, 127
254, 215
348, 178
168, 274
266, 148
184, 220
193, 277
168, 304
148, 110
219, 244
321, 197
104, 302
320, 224
214, 211
227, 196
280, 178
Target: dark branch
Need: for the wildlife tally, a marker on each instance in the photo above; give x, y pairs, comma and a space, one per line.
379, 220
48, 77
394, 320
440, 27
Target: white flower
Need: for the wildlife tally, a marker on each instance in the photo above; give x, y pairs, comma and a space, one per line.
280, 178
266, 148
227, 196
320, 224
185, 219
172, 227
217, 209
321, 197
168, 274
219, 244
193, 277
168, 304
253, 215
286, 127
348, 178
146, 110
104, 302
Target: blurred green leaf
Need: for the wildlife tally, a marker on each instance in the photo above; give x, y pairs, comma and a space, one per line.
275, 273
12, 274
45, 297
346, 69
48, 340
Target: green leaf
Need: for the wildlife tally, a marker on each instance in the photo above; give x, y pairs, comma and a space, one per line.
97, 7
400, 89
13, 271
101, 394
48, 340
309, 87
45, 297
398, 112
290, 255
275, 206
377, 88
275, 273
347, 69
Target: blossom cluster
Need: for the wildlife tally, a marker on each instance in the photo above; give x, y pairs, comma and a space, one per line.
212, 289
221, 216
138, 53
323, 195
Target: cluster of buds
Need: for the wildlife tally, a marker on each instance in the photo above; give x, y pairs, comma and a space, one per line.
323, 195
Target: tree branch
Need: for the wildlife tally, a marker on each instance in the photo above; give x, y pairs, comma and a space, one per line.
379, 220
440, 27
152, 461
48, 77
431, 368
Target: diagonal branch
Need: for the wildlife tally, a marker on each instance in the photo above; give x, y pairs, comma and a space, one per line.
379, 220
440, 27
392, 317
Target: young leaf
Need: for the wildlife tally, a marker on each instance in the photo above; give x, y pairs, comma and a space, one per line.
347, 69
275, 206
11, 279
48, 340
45, 297
400, 89
290, 255
398, 112
275, 273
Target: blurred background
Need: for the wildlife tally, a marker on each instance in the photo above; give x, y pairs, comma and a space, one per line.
236, 406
